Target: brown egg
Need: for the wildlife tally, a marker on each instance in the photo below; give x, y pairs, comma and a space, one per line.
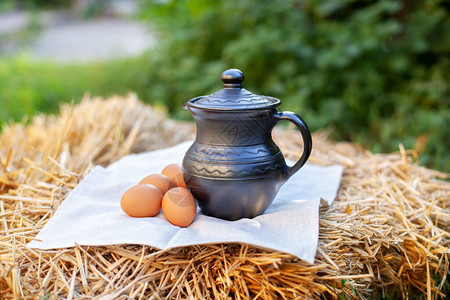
175, 173
162, 182
142, 200
179, 206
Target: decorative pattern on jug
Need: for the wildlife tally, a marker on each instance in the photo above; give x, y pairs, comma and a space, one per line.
234, 162
232, 152
240, 97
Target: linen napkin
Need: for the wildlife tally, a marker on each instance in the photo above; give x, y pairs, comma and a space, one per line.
91, 213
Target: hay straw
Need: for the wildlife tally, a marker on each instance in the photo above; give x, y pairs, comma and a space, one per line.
387, 234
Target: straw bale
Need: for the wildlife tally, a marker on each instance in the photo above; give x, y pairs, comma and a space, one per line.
386, 235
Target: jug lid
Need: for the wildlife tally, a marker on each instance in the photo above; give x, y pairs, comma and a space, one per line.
233, 96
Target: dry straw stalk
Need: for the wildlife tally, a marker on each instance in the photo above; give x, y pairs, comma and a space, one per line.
387, 234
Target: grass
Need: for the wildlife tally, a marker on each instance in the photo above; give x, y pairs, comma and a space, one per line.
29, 87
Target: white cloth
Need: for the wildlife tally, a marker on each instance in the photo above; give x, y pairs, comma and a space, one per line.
91, 213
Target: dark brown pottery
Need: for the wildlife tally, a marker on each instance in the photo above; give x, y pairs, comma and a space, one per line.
234, 169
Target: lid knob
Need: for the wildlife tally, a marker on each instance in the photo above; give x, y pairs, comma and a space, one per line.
232, 78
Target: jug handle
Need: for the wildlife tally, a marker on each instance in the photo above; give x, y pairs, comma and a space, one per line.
306, 135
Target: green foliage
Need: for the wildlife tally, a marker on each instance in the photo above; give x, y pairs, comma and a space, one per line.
7, 6
376, 71
44, 3
94, 9
11, 5
28, 87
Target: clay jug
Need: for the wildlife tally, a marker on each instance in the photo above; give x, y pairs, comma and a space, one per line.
234, 169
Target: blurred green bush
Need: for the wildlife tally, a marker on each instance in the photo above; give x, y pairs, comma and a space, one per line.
10, 5
376, 71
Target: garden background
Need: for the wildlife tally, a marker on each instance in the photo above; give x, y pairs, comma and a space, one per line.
376, 72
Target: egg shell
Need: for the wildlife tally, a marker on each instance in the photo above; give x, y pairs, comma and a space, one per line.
178, 180
179, 207
143, 200
175, 173
162, 182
